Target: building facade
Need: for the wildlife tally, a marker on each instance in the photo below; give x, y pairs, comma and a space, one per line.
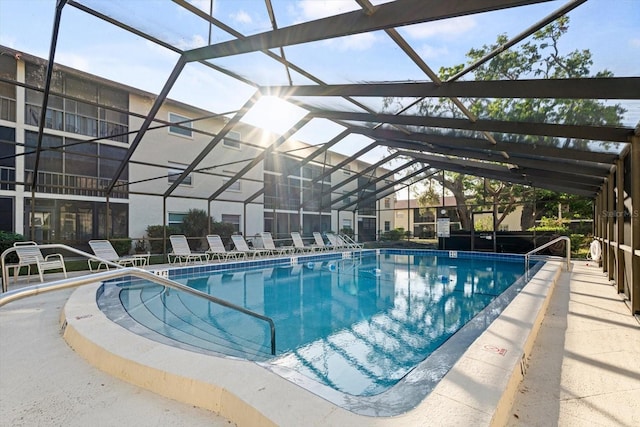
89, 126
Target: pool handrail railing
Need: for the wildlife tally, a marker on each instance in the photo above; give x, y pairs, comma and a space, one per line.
546, 245
120, 271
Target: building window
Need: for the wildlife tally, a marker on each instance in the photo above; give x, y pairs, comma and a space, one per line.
185, 125
232, 219
387, 203
347, 170
176, 218
387, 226
233, 187
232, 140
175, 170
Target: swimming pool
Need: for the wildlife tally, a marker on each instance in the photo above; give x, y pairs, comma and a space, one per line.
357, 326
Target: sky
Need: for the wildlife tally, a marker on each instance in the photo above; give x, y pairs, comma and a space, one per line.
91, 45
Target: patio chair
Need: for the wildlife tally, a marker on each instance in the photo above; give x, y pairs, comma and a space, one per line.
320, 242
267, 242
29, 254
217, 249
299, 245
335, 242
104, 250
242, 246
181, 252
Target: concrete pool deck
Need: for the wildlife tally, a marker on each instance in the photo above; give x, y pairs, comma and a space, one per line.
43, 381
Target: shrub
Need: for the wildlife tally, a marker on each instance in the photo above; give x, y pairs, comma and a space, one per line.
580, 245
393, 235
7, 239
196, 223
121, 245
347, 231
156, 233
555, 225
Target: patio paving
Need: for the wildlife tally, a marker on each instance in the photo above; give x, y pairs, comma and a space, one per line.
585, 365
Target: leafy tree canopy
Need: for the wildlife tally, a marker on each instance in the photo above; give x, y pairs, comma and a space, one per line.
540, 57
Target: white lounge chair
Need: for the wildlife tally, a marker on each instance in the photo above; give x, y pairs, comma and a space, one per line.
104, 250
336, 242
29, 254
242, 246
268, 243
217, 249
299, 245
320, 242
181, 252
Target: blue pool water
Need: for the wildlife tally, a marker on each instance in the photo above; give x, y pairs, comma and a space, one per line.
357, 325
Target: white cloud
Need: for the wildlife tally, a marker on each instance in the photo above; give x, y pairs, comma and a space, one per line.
442, 28
316, 9
357, 42
203, 5
634, 42
241, 17
79, 62
430, 52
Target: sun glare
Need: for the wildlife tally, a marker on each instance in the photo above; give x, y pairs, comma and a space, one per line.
274, 114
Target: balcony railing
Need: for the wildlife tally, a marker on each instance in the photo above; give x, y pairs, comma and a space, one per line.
75, 185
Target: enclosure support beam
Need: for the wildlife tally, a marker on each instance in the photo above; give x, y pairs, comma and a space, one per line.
604, 256
620, 225
610, 222
635, 224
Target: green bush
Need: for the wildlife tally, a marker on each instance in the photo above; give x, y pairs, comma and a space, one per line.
347, 231
155, 233
7, 239
393, 235
558, 226
224, 230
121, 245
580, 245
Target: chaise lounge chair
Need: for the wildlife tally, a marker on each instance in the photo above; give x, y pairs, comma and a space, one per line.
217, 249
335, 242
242, 246
29, 254
268, 243
181, 252
299, 245
320, 242
104, 250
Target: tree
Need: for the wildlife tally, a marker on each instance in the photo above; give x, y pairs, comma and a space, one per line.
541, 57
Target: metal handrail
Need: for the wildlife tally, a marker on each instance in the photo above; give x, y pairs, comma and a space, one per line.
7, 297
546, 245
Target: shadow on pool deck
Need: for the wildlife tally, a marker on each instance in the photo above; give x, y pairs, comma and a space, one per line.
584, 368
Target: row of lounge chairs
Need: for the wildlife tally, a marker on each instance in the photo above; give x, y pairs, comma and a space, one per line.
29, 253
181, 253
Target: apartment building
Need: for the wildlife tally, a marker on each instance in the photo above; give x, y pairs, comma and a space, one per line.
86, 188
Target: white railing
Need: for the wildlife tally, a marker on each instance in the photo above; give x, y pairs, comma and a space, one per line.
9, 296
527, 256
